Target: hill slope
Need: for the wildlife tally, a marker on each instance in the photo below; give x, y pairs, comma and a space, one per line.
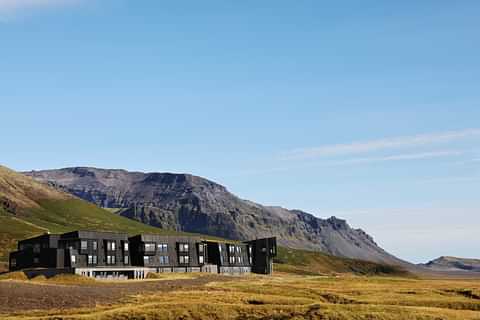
453, 264
184, 202
29, 208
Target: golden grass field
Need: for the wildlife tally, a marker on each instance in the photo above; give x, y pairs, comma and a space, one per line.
281, 296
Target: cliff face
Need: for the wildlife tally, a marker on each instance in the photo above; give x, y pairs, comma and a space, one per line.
189, 203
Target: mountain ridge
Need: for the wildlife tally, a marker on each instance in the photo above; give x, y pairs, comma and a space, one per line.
449, 263
190, 203
30, 208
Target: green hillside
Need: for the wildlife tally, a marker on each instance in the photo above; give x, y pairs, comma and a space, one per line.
58, 216
316, 263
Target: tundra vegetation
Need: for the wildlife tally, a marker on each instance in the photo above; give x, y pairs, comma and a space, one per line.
202, 296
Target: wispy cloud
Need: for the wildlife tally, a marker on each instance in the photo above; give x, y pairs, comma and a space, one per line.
359, 161
12, 7
380, 144
400, 157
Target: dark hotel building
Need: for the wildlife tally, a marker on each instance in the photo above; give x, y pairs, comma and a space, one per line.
115, 255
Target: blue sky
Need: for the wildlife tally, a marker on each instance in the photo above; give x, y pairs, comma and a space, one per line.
367, 110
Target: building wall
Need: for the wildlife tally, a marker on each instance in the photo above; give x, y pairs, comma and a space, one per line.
95, 249
264, 250
165, 251
75, 250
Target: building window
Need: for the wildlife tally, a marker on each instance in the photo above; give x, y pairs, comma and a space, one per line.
83, 245
200, 248
36, 248
239, 260
94, 245
36, 260
13, 262
110, 259
220, 248
184, 259
231, 260
200, 259
231, 249
149, 247
92, 260
162, 247
125, 260
239, 249
125, 246
73, 259
146, 260
163, 259
111, 246
183, 247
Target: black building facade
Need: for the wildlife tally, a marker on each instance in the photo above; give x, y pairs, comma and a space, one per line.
108, 254
166, 252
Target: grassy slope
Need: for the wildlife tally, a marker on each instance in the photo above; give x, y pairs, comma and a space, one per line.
59, 216
314, 263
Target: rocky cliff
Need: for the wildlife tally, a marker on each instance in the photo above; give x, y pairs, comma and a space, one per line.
185, 202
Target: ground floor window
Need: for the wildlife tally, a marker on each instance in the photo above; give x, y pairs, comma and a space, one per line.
125, 259
201, 259
146, 260
73, 259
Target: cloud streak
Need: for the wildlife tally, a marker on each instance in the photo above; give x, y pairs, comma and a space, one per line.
360, 161
380, 145
402, 157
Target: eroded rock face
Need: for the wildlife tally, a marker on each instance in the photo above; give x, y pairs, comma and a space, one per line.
189, 203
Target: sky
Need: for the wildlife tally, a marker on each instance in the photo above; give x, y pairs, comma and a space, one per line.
366, 110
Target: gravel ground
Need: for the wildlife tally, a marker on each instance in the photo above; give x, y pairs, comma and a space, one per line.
21, 296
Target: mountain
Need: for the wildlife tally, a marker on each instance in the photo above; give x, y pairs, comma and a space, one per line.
453, 264
184, 202
29, 208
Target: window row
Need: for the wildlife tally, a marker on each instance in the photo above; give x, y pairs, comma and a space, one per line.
233, 260
147, 260
183, 247
111, 245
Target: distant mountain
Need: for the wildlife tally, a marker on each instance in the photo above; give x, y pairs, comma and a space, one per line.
184, 202
453, 264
